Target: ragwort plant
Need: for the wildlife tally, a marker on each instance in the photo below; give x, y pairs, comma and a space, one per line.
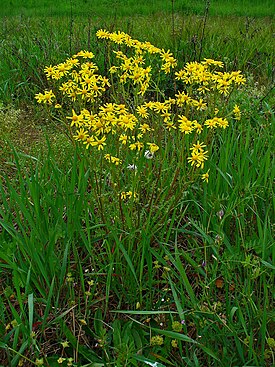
146, 115
109, 170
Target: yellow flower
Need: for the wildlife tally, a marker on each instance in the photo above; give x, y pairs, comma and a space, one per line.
49, 71
237, 112
198, 147
153, 147
205, 176
102, 33
65, 344
116, 161
201, 105
142, 111
169, 125
223, 123
81, 135
197, 126
89, 141
123, 195
113, 69
99, 143
211, 123
61, 360
107, 157
85, 54
144, 128
197, 158
77, 120
123, 139
186, 126
46, 98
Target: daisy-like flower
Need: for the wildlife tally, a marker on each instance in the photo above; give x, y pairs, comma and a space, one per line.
142, 111
205, 176
148, 154
132, 167
81, 135
76, 119
198, 147
99, 143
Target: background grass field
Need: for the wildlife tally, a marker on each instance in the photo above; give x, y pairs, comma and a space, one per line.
198, 272
131, 8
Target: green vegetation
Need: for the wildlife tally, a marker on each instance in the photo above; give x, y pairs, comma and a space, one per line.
183, 273
255, 8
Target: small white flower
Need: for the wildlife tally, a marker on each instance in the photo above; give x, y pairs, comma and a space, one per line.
148, 154
132, 167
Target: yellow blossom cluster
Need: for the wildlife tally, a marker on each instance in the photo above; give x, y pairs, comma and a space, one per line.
127, 112
82, 77
198, 155
133, 68
113, 121
47, 97
125, 195
206, 78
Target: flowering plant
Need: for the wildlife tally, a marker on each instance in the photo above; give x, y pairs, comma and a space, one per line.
126, 119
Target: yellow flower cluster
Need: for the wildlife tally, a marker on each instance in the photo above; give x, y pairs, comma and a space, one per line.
131, 68
198, 155
125, 195
138, 118
112, 159
82, 78
205, 79
47, 97
113, 121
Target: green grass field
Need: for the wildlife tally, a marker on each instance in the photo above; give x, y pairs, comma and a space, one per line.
116, 247
253, 8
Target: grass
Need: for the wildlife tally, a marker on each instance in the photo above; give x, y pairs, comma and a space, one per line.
182, 277
255, 8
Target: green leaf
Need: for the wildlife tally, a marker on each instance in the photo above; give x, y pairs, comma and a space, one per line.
149, 362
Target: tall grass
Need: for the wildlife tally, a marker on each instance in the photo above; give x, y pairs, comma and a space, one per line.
60, 264
188, 281
253, 8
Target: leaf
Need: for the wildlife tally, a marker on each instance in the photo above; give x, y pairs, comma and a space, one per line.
153, 312
149, 362
268, 265
209, 352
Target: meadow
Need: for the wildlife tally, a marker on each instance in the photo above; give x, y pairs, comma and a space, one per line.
137, 183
